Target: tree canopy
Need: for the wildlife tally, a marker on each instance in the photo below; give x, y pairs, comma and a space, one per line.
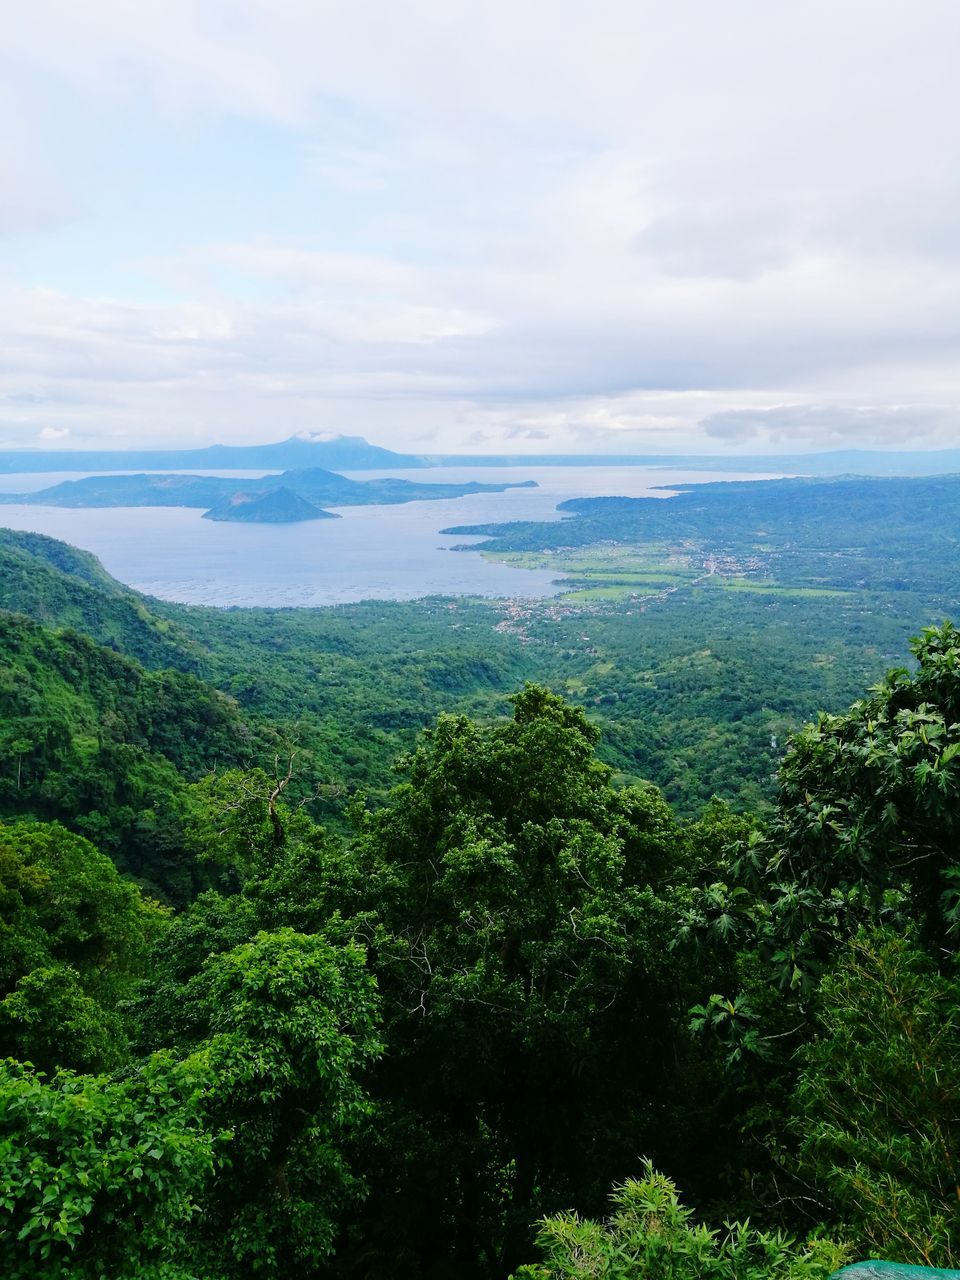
392, 1043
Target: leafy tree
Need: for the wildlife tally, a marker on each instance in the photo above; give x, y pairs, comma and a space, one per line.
537, 932
868, 804
290, 1023
514, 908
103, 1177
73, 948
164, 1013
239, 820
89, 738
865, 835
48, 1018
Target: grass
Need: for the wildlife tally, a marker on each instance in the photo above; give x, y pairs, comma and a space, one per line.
773, 588
620, 573
606, 592
606, 573
648, 563
654, 581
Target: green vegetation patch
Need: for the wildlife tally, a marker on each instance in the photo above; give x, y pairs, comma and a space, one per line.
608, 591
653, 563
773, 588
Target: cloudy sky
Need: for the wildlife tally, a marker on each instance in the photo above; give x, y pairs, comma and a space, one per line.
652, 225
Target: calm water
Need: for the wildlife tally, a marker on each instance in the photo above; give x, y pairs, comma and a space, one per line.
384, 553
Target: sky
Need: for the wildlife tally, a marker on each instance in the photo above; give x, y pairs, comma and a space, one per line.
645, 226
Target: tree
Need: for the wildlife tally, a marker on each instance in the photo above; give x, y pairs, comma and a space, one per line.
513, 903
868, 803
290, 1025
865, 834
103, 1177
877, 1103
74, 946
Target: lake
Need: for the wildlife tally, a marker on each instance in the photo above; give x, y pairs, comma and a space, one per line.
377, 552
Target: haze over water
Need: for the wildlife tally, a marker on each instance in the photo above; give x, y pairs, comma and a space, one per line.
375, 552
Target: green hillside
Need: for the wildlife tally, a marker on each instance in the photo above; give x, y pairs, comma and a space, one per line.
91, 738
696, 689
58, 585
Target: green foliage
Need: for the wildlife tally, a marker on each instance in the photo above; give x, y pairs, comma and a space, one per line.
537, 933
517, 899
866, 828
116, 1175
59, 586
73, 947
291, 1024
800, 525
865, 835
694, 690
102, 1177
213, 924
230, 821
651, 1236
92, 739
870, 798
49, 1019
878, 1100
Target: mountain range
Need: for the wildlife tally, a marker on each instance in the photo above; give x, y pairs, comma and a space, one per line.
353, 453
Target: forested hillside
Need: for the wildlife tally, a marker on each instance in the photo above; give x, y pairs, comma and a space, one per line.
59, 586
696, 689
92, 739
390, 1053
428, 1031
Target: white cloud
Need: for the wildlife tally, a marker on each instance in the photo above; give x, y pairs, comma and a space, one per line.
647, 225
833, 426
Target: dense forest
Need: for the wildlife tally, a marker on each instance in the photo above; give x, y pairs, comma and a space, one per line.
347, 943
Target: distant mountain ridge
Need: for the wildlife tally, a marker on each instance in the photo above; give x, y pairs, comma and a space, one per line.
351, 453
354, 453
